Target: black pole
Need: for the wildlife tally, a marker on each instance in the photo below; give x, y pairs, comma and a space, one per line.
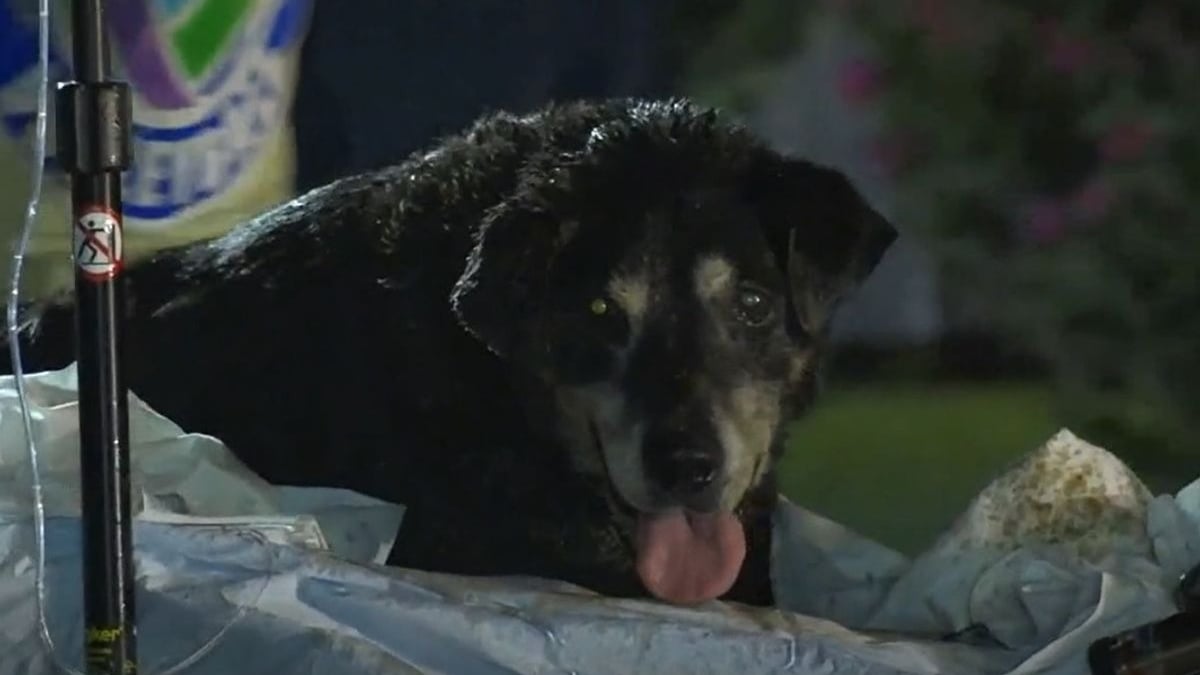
94, 148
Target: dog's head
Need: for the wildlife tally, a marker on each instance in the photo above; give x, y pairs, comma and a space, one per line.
671, 282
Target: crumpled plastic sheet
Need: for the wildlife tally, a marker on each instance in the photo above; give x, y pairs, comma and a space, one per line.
1064, 548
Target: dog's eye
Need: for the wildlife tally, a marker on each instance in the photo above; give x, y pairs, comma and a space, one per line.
753, 305
600, 307
602, 319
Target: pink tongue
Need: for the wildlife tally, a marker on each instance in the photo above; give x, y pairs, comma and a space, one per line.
686, 558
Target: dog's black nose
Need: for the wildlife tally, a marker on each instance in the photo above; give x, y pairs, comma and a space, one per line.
680, 465
694, 471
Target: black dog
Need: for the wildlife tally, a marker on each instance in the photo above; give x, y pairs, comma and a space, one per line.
569, 343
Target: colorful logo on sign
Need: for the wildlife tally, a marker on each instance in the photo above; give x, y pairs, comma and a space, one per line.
212, 85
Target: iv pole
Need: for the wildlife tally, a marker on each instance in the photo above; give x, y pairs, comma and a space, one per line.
94, 148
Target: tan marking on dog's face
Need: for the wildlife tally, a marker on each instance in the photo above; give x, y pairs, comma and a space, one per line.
800, 365
619, 455
745, 425
620, 437
632, 294
745, 419
713, 277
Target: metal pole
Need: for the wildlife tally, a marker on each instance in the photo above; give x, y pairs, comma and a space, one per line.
94, 148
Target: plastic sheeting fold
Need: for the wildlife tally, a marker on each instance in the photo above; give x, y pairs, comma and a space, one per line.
1032, 570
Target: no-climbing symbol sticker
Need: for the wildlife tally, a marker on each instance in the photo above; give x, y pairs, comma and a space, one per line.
98, 244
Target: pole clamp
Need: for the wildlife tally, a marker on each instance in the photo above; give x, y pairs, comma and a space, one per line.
93, 135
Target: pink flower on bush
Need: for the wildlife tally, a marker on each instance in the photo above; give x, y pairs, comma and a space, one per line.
1126, 141
859, 81
1045, 222
1092, 201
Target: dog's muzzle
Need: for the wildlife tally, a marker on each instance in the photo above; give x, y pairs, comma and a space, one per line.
684, 466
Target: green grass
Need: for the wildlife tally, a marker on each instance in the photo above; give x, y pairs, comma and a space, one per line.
897, 462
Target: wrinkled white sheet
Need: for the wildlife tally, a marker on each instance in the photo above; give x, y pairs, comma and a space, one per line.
1063, 549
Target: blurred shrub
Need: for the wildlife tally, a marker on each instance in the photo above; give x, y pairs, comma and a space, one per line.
730, 48
1049, 156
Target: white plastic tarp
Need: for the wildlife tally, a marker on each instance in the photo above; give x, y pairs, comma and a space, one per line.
1061, 550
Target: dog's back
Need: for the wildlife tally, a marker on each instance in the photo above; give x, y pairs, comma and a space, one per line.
283, 336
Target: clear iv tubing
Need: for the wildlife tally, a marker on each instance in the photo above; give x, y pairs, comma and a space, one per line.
14, 296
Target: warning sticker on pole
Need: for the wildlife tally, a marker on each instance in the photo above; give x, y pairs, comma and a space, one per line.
98, 244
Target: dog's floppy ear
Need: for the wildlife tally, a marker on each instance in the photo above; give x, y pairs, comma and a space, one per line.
827, 237
506, 274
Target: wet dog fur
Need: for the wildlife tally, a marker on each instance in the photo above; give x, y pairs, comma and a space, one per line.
529, 335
